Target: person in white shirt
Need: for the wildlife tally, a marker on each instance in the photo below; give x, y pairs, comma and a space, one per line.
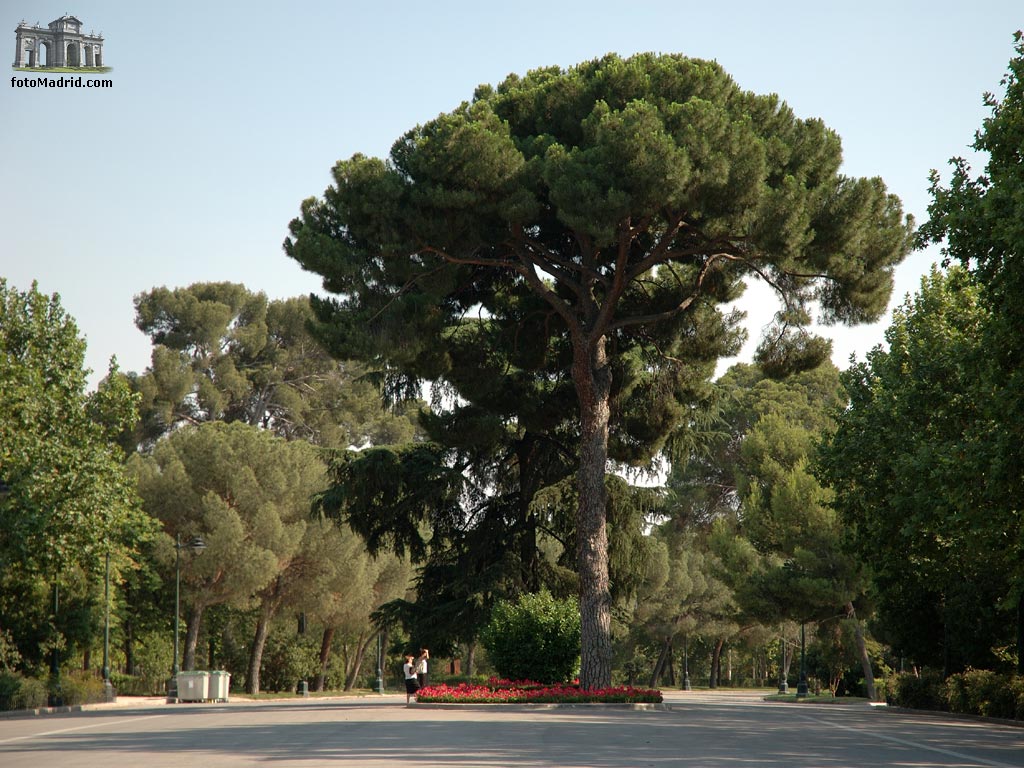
421, 670
412, 683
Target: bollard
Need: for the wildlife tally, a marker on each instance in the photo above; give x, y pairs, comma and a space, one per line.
303, 689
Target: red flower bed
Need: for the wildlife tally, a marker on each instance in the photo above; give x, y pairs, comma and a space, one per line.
528, 692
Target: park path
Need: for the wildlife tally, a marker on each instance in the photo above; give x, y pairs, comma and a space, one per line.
725, 729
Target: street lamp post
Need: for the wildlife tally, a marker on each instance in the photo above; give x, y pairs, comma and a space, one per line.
783, 684
686, 665
380, 672
108, 688
801, 688
56, 697
196, 545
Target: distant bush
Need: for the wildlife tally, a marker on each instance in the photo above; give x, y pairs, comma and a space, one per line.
287, 659
137, 685
974, 692
982, 692
915, 692
81, 688
534, 638
17, 692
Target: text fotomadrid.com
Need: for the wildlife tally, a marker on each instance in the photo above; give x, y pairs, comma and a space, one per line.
59, 82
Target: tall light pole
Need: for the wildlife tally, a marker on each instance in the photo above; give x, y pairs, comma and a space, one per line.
108, 689
380, 675
686, 665
195, 545
783, 684
801, 687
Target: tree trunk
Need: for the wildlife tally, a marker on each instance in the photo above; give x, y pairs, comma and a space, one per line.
325, 658
659, 665
357, 662
195, 619
271, 601
862, 651
592, 377
529, 482
259, 642
470, 659
716, 663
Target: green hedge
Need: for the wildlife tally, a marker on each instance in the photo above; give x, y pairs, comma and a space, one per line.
17, 692
974, 692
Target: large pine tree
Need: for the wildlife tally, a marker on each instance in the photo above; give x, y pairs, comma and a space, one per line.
620, 202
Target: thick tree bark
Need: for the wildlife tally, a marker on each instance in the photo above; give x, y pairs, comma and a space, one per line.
259, 642
325, 658
716, 663
470, 659
592, 376
862, 651
195, 619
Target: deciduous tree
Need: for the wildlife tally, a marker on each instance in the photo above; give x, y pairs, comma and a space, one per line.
981, 221
65, 500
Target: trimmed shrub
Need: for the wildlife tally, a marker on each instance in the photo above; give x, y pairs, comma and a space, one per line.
535, 638
913, 692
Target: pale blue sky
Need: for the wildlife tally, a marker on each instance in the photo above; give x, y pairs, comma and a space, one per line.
224, 116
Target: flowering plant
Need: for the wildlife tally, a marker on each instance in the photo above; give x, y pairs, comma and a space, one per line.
527, 692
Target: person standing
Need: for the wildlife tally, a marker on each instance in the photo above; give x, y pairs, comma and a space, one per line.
412, 683
421, 669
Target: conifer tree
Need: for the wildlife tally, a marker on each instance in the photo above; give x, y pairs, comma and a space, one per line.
605, 212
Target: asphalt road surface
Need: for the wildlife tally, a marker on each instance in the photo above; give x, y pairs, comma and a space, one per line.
700, 729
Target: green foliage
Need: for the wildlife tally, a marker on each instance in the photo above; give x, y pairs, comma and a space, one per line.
596, 219
904, 465
248, 494
979, 222
973, 692
18, 692
288, 659
535, 638
983, 692
9, 656
66, 499
223, 353
154, 659
917, 692
133, 685
81, 687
